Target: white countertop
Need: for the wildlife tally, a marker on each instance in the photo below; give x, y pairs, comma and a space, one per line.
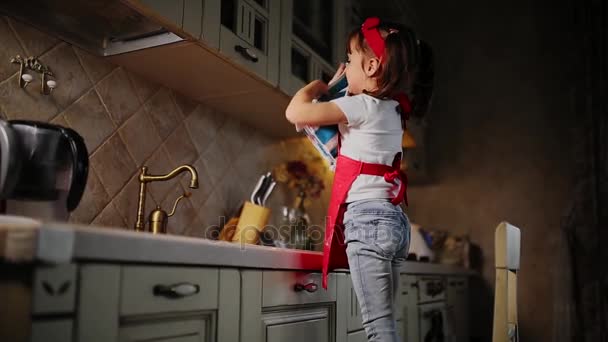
23, 240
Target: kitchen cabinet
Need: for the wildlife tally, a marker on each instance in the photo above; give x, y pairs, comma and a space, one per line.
287, 306
458, 308
197, 290
112, 302
184, 14
313, 38
196, 18
350, 327
249, 35
408, 306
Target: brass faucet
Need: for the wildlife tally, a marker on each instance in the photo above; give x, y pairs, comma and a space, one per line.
145, 178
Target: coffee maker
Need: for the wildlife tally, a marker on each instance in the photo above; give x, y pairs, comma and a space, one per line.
43, 169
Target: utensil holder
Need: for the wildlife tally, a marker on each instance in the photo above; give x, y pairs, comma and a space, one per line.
252, 221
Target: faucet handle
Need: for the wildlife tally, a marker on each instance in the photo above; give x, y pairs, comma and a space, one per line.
185, 195
158, 217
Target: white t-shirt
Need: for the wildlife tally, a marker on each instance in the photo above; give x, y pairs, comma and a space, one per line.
373, 135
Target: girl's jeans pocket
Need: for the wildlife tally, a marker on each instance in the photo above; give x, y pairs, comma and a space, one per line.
379, 225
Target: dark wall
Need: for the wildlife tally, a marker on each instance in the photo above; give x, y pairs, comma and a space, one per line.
500, 145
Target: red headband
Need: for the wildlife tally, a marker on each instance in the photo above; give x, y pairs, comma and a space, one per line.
376, 43
372, 36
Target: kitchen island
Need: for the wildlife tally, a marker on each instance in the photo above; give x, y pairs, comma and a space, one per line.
79, 283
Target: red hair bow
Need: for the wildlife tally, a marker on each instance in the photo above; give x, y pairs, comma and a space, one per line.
372, 36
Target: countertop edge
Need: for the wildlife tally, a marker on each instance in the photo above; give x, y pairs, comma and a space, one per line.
57, 243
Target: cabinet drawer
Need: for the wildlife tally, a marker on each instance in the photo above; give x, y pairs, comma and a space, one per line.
243, 53
153, 289
290, 288
358, 336
194, 329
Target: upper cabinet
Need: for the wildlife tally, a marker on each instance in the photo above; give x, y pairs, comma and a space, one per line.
313, 38
198, 18
249, 35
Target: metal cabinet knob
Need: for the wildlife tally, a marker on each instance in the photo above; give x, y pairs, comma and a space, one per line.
245, 52
310, 287
179, 290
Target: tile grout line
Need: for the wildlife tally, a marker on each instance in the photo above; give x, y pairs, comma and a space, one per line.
17, 37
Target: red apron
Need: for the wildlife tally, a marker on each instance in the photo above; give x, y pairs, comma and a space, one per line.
347, 170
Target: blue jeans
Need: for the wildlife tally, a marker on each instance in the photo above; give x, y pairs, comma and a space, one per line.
377, 234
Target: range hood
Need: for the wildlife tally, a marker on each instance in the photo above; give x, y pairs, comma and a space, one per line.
102, 27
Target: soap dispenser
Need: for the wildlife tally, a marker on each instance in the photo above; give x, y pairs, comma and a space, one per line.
157, 221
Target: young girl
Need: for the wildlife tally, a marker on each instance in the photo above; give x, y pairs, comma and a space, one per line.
364, 211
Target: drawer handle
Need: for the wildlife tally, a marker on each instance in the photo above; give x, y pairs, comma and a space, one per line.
310, 287
179, 290
245, 52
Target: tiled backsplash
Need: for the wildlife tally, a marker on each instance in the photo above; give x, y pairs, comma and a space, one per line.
128, 122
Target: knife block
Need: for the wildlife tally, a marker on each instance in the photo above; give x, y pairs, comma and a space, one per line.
252, 221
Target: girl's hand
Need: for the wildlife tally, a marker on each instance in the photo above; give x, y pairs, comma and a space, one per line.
314, 89
339, 73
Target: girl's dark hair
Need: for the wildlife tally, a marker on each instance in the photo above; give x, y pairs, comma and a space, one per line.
393, 73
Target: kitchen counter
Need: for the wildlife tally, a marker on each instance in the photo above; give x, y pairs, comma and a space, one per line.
56, 243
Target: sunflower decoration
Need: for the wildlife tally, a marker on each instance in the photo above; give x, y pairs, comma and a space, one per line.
299, 176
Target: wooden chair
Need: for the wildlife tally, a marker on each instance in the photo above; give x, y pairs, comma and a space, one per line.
507, 254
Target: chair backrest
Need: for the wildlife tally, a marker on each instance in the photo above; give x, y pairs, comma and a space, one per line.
507, 254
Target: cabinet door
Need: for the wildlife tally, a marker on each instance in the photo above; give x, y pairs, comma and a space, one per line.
292, 315
192, 328
357, 336
299, 325
458, 314
249, 34
211, 23
59, 330
173, 11
193, 17
408, 305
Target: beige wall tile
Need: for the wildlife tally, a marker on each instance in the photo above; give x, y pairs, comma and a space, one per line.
34, 41
96, 67
205, 186
180, 147
71, 79
60, 120
113, 164
118, 95
127, 200
213, 215
185, 104
232, 191
232, 143
89, 118
215, 161
144, 88
28, 103
109, 217
140, 136
163, 112
9, 48
195, 228
93, 201
203, 124
167, 130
